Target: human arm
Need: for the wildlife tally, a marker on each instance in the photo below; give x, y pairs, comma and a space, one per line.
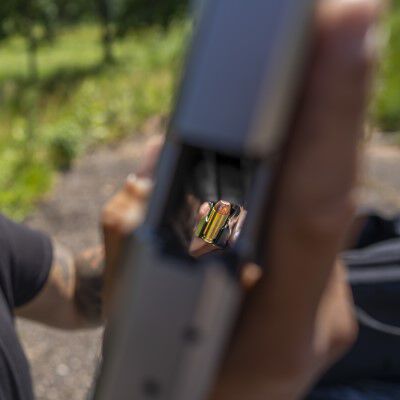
298, 320
71, 296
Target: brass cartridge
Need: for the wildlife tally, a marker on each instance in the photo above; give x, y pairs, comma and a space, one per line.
216, 220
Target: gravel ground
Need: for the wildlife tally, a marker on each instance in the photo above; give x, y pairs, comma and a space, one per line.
63, 362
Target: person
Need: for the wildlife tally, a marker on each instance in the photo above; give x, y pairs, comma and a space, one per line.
298, 318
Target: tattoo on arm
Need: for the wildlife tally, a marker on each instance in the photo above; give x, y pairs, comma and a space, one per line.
89, 284
72, 295
63, 267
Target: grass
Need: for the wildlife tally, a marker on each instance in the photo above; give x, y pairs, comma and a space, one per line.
386, 107
77, 102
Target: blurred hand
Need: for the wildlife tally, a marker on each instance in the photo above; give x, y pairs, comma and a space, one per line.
124, 213
298, 317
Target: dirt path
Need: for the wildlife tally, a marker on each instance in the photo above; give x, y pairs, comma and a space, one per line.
63, 363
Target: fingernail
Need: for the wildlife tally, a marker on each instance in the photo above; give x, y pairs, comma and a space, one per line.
130, 182
204, 209
371, 4
357, 32
143, 186
365, 11
140, 187
132, 178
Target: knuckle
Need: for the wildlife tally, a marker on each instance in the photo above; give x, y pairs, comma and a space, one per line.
109, 218
344, 336
113, 211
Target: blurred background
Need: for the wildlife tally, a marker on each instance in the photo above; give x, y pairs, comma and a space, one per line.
76, 73
83, 83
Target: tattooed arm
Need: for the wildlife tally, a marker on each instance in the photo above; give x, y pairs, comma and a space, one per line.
71, 298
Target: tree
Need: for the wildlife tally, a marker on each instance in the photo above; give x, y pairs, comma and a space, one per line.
6, 9
141, 13
35, 20
104, 11
71, 12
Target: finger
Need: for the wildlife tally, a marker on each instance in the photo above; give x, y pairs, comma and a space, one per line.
314, 195
203, 211
138, 187
330, 121
198, 247
122, 214
311, 206
237, 228
336, 325
150, 157
125, 211
250, 275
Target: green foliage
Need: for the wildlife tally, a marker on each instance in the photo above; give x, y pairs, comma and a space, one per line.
77, 101
386, 109
25, 176
71, 12
131, 14
80, 102
38, 20
64, 144
33, 19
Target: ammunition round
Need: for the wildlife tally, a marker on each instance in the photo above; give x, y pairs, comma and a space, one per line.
216, 221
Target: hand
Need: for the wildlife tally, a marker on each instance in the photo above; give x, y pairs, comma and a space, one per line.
298, 319
126, 210
124, 213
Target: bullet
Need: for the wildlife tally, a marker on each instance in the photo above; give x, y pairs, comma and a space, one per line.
216, 220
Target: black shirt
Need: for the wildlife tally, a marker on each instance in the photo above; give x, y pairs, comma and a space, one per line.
25, 260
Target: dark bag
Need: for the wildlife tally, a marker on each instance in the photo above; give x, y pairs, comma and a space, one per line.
374, 274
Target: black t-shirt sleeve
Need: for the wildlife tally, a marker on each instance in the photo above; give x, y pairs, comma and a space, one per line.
25, 261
